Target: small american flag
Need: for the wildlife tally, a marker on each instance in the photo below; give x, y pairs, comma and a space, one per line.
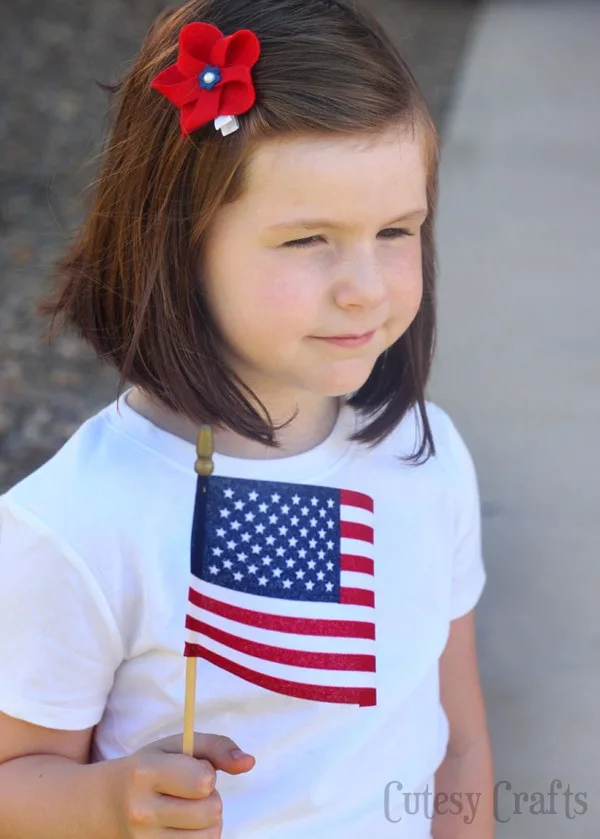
282, 589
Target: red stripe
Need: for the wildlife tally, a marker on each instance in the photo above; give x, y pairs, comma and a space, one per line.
298, 626
356, 499
319, 693
363, 564
354, 530
295, 658
357, 597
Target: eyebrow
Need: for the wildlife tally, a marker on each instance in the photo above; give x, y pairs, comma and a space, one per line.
312, 224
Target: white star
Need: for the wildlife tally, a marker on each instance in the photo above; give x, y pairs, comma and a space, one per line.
304, 511
225, 514
270, 540
320, 575
253, 495
238, 576
287, 584
293, 542
330, 566
322, 513
213, 569
329, 524
228, 493
263, 581
321, 554
277, 572
312, 544
242, 557
301, 553
263, 507
330, 503
322, 534
245, 537
221, 532
260, 528
227, 564
310, 585
294, 520
235, 525
249, 516
285, 509
296, 499
304, 532
283, 531
267, 560
217, 551
330, 545
328, 586
300, 574
313, 522
272, 519
311, 564
256, 549
252, 569
290, 563
275, 497
231, 545
280, 551
314, 501
239, 505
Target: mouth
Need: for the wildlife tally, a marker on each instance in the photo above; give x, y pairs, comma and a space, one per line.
349, 340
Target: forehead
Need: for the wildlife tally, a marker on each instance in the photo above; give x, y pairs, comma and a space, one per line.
339, 174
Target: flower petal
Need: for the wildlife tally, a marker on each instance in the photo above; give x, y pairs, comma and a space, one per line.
176, 88
237, 91
196, 114
196, 41
243, 47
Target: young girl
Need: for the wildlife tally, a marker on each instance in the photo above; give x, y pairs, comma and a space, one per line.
259, 257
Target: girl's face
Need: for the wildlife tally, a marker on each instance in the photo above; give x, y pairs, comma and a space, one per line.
325, 243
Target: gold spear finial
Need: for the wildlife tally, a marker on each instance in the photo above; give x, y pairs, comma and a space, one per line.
204, 447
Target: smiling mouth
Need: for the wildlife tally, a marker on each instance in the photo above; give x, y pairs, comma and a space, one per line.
349, 340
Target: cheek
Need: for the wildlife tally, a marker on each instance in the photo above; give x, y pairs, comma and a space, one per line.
405, 277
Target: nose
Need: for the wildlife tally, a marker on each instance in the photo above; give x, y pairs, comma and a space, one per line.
360, 283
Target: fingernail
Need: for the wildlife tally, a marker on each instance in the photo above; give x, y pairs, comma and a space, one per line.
236, 754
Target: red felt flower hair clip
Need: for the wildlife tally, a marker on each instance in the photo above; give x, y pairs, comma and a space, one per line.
211, 79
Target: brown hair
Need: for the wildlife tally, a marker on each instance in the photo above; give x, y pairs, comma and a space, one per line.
130, 284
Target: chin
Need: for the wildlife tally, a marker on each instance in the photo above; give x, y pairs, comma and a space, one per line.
341, 385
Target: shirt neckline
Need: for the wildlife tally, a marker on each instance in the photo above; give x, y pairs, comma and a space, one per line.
308, 465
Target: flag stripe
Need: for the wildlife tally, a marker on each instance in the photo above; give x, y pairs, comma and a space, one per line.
319, 693
279, 623
319, 660
354, 530
357, 596
361, 564
356, 499
309, 643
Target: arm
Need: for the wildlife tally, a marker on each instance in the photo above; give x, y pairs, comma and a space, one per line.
467, 771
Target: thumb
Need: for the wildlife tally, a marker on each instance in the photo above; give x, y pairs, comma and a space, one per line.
220, 750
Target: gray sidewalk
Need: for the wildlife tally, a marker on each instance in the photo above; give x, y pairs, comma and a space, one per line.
519, 369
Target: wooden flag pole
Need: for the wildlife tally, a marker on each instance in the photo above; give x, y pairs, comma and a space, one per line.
204, 468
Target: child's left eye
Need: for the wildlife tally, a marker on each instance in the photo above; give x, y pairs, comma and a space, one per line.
395, 233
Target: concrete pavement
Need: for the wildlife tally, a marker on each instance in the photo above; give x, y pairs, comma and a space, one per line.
519, 369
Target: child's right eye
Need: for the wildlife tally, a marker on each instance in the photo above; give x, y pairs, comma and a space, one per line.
303, 243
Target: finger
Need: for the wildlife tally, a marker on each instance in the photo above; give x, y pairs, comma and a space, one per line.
178, 814
182, 776
220, 750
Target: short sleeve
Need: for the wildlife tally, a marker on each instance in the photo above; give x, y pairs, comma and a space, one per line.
468, 570
59, 643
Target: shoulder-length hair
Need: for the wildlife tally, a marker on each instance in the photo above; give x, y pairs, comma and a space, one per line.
130, 282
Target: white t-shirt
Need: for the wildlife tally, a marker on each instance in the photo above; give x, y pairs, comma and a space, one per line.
94, 582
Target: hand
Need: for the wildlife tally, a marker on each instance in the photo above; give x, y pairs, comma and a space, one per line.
159, 792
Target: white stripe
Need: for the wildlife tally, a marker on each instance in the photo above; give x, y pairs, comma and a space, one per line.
357, 514
355, 579
304, 675
357, 547
284, 608
308, 643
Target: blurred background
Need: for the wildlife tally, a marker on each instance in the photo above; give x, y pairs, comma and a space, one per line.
512, 87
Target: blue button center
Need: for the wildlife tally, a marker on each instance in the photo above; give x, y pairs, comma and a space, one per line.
209, 77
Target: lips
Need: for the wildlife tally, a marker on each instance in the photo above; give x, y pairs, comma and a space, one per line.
349, 340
